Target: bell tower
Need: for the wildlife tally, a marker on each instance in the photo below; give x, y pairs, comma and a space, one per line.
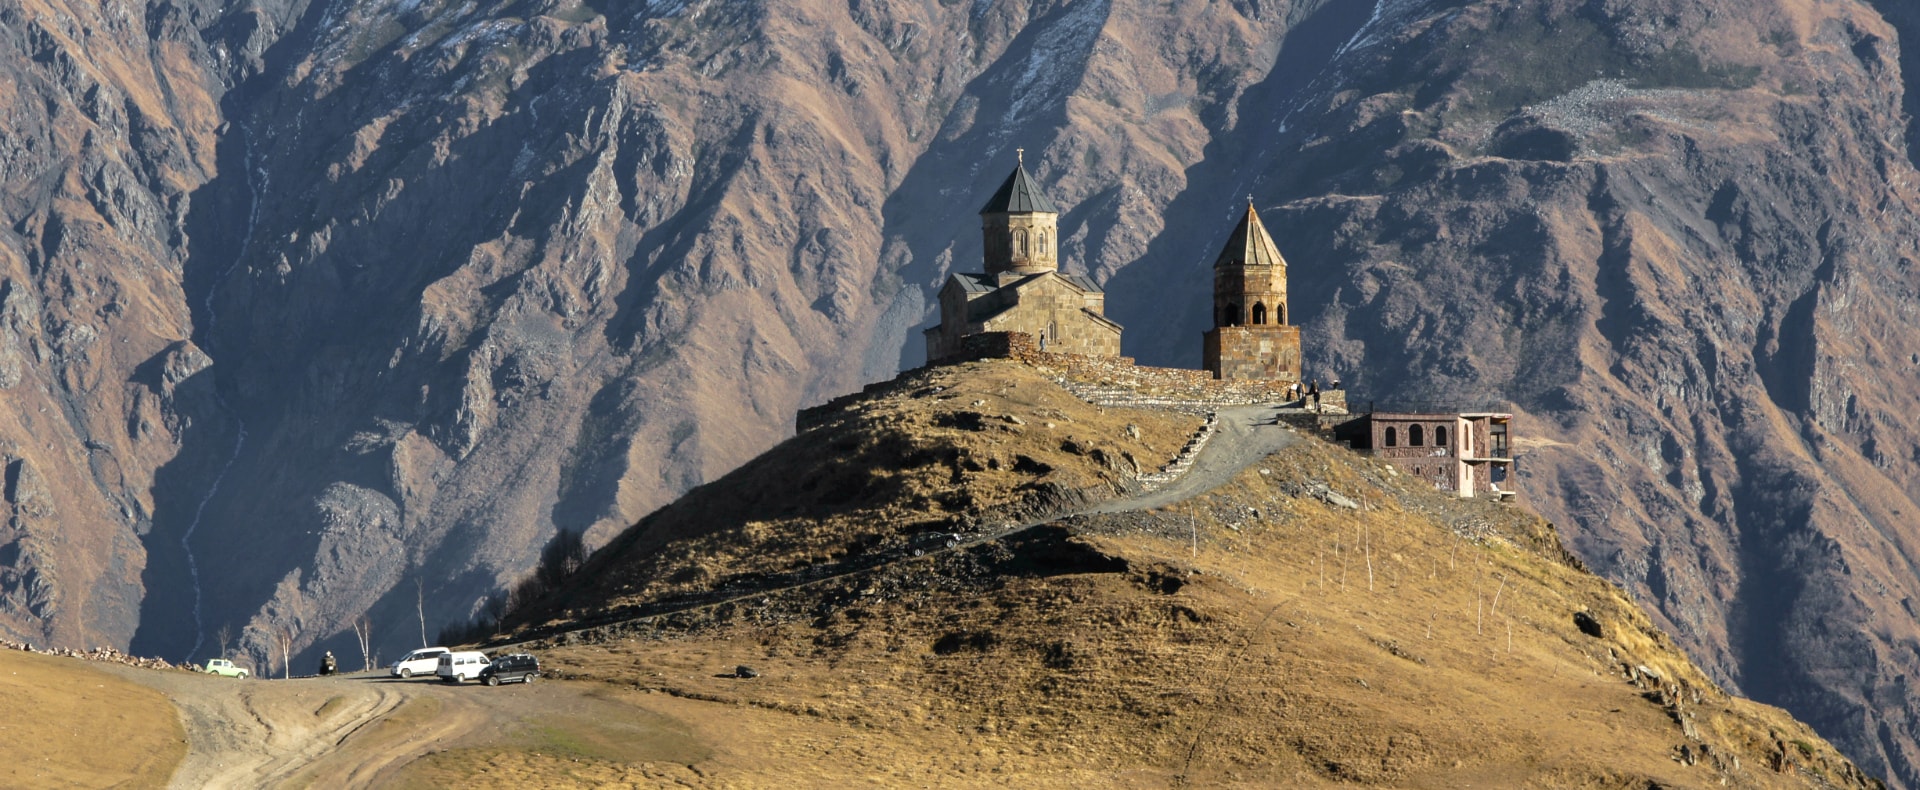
1019, 228
1250, 338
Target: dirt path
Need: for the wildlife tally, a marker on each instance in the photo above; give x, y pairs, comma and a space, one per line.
253, 733
349, 730
1245, 435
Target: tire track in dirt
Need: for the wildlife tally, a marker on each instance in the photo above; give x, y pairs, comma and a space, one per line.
258, 733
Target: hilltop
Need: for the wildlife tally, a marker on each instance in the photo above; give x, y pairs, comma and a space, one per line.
1318, 619
968, 576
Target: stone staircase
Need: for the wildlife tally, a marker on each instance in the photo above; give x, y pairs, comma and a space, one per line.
1182, 462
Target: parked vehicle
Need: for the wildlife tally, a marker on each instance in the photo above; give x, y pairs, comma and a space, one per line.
224, 668
419, 662
460, 666
509, 668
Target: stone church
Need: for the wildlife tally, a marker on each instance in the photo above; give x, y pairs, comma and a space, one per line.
1023, 291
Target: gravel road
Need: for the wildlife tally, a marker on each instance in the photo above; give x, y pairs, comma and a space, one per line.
1245, 435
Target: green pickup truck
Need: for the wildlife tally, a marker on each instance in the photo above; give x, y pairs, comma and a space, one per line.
224, 668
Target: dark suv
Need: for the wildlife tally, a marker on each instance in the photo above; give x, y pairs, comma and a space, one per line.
509, 668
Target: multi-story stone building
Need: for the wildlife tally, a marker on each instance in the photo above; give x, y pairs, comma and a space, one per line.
1464, 453
1023, 289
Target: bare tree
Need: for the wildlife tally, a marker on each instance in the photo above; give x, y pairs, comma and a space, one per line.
363, 631
562, 558
225, 637
495, 607
283, 636
420, 607
293, 608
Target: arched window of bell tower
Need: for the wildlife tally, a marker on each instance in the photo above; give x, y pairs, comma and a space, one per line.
1259, 313
1280, 314
1233, 317
1040, 247
1019, 243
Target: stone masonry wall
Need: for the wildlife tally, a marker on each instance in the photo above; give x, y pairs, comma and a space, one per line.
1113, 381
1049, 304
1267, 353
1117, 381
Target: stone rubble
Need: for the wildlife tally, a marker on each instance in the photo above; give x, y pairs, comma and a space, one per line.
102, 654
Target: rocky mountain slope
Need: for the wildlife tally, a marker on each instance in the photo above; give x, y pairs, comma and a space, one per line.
314, 309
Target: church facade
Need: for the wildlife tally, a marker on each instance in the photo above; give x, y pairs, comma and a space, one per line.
1023, 289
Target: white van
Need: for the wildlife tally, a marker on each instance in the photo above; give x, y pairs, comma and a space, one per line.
419, 662
461, 666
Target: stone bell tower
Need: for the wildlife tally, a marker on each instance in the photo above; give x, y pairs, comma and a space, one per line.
1019, 227
1250, 338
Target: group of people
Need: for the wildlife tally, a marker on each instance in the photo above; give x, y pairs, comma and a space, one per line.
1309, 391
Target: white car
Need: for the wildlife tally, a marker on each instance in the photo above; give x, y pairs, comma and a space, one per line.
461, 666
419, 662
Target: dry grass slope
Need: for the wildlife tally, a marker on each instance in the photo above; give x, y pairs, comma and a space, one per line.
70, 725
1255, 635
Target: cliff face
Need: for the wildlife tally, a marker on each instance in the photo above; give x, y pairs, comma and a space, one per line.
110, 124
317, 309
1678, 238
471, 273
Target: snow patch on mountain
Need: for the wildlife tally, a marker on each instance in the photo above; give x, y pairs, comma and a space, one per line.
1057, 61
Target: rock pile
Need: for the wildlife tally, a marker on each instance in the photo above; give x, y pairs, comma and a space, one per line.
105, 654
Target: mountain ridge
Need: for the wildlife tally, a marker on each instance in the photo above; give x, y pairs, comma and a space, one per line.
470, 274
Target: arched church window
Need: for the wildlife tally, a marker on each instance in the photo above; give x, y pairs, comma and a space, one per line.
1042, 247
1415, 436
1280, 314
1259, 313
1232, 318
1393, 437
1019, 244
1439, 435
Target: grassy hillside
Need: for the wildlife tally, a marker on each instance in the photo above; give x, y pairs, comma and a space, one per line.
70, 725
1257, 634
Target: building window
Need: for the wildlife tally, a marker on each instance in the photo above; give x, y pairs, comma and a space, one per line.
1439, 435
1019, 244
1416, 436
1259, 313
1280, 313
1393, 437
1232, 318
1044, 249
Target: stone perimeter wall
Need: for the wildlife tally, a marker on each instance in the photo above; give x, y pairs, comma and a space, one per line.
1119, 376
1113, 381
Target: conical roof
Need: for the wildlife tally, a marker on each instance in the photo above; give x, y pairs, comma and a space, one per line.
1250, 245
1019, 195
